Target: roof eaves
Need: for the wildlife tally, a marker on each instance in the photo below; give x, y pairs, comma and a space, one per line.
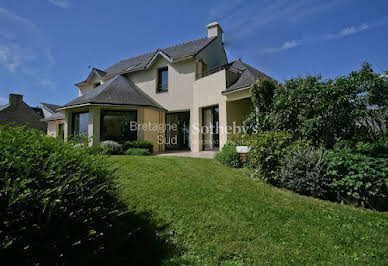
235, 90
158, 52
94, 70
108, 104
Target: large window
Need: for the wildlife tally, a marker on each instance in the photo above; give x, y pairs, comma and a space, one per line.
80, 124
116, 125
162, 80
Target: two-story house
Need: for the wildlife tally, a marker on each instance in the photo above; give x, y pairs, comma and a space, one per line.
190, 90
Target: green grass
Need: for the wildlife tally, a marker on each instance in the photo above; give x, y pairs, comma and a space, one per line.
213, 214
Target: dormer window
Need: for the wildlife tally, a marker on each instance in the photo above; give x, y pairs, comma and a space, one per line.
95, 85
162, 80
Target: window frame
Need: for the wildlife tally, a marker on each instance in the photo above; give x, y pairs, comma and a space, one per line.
111, 112
159, 86
73, 123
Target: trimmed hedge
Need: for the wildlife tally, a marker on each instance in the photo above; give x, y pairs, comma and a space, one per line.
110, 147
139, 152
229, 156
138, 144
56, 203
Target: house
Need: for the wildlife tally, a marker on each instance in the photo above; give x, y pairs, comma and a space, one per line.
55, 120
18, 113
187, 96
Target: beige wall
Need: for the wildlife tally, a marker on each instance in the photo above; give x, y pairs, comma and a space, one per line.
180, 83
237, 112
53, 127
207, 92
155, 117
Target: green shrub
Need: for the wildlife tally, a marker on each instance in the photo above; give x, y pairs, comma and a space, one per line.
55, 200
267, 150
306, 171
359, 178
95, 149
229, 156
135, 151
110, 147
139, 144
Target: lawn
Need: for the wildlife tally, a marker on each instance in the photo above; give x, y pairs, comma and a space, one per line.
211, 214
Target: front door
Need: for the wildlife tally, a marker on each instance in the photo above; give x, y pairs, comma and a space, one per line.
177, 131
210, 134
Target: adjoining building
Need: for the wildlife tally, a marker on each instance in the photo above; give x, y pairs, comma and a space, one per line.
18, 113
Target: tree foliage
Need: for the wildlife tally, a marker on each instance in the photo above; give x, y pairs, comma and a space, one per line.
351, 107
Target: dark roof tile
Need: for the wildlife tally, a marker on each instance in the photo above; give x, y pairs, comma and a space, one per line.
117, 91
175, 52
247, 77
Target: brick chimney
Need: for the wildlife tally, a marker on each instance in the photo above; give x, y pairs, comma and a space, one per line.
15, 99
214, 30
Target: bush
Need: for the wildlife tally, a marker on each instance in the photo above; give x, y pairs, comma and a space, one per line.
360, 173
139, 144
95, 150
267, 150
229, 156
55, 200
110, 147
140, 152
306, 171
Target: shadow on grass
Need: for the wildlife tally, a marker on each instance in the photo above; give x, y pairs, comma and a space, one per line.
134, 240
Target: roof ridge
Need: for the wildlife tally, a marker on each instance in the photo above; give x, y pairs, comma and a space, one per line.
162, 49
187, 42
134, 57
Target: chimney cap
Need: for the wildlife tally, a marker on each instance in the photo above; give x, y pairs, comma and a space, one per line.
214, 30
214, 24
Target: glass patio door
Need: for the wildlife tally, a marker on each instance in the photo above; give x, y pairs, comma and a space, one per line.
178, 130
210, 134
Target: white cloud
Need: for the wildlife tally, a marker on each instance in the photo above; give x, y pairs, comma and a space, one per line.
286, 46
347, 31
14, 58
15, 18
23, 48
352, 30
243, 20
60, 3
47, 83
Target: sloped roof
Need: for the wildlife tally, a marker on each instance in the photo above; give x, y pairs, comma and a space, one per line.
2, 107
247, 77
117, 91
54, 116
52, 107
176, 52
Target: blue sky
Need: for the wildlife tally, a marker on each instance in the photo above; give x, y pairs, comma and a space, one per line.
48, 45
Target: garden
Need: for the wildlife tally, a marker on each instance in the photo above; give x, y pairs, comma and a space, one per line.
321, 138
70, 204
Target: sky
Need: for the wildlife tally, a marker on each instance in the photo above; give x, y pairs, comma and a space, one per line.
46, 46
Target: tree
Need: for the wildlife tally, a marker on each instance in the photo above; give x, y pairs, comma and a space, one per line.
351, 107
